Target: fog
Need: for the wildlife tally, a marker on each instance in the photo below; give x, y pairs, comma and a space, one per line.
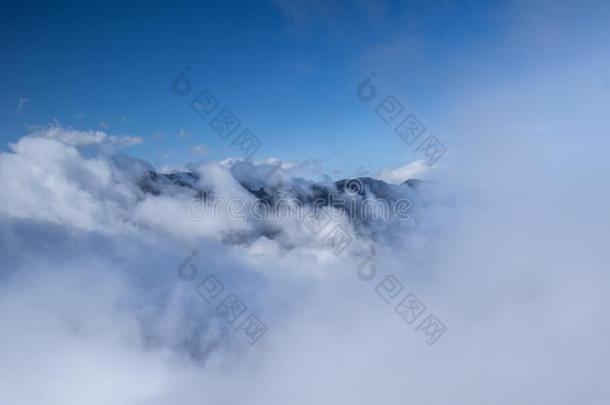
101, 300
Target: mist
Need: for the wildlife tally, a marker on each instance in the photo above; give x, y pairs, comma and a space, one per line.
111, 293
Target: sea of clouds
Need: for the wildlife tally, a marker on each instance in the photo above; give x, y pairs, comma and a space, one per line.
94, 309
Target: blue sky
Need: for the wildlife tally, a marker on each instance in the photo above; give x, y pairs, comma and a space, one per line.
287, 69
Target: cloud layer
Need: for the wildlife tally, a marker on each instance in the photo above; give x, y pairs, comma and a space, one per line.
94, 310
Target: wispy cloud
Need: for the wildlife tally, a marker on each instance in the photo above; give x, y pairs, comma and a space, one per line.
398, 175
500, 269
21, 103
199, 150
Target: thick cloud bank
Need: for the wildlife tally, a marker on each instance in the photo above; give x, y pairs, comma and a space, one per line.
121, 285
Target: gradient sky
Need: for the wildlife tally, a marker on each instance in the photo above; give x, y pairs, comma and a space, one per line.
288, 69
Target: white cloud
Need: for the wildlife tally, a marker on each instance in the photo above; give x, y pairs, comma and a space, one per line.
21, 103
90, 298
199, 150
400, 174
81, 138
